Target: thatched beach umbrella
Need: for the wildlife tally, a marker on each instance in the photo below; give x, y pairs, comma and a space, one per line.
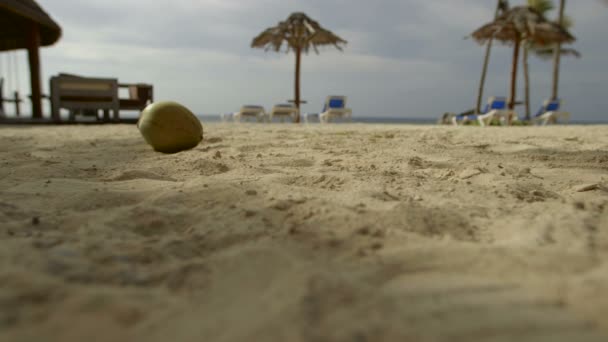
299, 33
519, 24
25, 25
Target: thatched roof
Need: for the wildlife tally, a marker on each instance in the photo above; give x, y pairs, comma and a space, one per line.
548, 52
520, 22
297, 31
15, 18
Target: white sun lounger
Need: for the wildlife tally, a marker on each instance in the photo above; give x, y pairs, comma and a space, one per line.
495, 108
335, 107
550, 112
250, 111
283, 111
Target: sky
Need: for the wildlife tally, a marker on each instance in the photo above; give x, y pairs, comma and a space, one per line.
404, 58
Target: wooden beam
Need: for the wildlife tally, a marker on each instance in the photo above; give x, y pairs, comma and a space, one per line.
33, 44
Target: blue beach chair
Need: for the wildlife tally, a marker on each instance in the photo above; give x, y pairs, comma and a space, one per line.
550, 112
335, 107
495, 108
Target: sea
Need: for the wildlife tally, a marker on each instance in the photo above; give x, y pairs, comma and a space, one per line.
355, 119
392, 120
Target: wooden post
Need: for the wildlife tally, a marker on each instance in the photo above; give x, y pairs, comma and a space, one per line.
526, 79
17, 103
557, 54
500, 6
33, 44
297, 85
1, 97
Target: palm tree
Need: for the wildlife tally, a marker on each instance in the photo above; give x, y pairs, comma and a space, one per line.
513, 27
557, 55
542, 6
300, 33
501, 6
544, 52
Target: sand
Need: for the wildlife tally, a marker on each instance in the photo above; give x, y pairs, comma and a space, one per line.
279, 232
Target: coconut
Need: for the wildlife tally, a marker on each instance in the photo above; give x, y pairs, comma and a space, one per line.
170, 127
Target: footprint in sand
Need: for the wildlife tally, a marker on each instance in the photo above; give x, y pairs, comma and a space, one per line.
297, 163
189, 278
209, 168
530, 192
146, 221
319, 181
415, 218
452, 308
140, 174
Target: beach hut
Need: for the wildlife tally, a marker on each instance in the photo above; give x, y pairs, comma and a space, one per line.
299, 33
25, 25
517, 25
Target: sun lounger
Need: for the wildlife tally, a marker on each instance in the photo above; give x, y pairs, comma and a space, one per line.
250, 111
550, 112
284, 110
495, 108
335, 107
309, 117
226, 117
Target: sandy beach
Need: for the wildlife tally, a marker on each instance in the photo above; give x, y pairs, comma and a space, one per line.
278, 232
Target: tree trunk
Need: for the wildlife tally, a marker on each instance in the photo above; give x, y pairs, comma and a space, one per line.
297, 80
526, 80
557, 54
514, 73
483, 77
486, 60
33, 45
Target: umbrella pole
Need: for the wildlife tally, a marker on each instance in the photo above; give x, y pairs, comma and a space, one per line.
526, 79
33, 45
514, 73
297, 80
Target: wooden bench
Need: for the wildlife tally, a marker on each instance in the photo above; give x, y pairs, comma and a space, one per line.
140, 95
84, 95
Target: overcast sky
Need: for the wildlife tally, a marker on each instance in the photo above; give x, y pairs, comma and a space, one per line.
404, 58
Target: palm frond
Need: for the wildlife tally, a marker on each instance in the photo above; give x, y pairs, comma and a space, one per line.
523, 22
297, 32
543, 6
567, 22
503, 5
547, 53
